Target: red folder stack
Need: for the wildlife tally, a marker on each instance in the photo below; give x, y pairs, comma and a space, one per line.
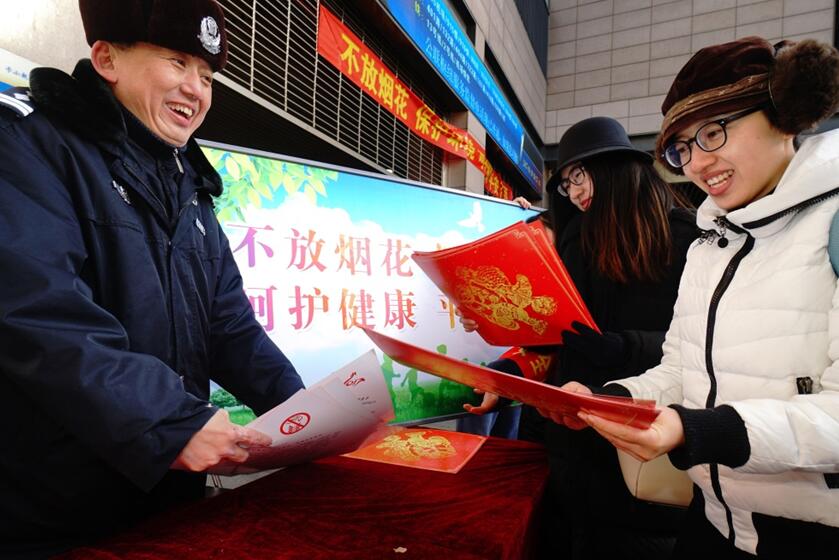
512, 283
634, 412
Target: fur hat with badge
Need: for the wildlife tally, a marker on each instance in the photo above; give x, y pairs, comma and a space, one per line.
797, 83
195, 27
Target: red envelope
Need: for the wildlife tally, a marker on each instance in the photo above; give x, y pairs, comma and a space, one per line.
634, 412
422, 448
512, 283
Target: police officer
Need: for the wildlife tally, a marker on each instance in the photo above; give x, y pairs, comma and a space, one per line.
119, 296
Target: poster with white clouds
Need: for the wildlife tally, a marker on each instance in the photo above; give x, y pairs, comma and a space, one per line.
326, 250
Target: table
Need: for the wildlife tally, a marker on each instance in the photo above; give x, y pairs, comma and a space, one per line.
342, 508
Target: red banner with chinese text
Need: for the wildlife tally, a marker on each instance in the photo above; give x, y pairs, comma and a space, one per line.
344, 50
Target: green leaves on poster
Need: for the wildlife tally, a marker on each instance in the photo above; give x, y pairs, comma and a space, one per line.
251, 181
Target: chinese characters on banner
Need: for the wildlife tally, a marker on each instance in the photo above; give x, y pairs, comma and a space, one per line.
362, 261
344, 50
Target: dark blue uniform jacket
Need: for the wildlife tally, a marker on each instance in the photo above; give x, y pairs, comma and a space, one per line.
119, 301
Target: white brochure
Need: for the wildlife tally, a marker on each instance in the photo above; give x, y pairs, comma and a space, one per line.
334, 416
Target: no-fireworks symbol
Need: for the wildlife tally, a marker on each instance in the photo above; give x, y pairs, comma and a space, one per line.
294, 423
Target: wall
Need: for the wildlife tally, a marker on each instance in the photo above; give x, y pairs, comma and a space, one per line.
618, 57
47, 32
500, 25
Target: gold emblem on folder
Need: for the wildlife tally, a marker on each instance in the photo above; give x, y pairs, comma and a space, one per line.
486, 290
417, 447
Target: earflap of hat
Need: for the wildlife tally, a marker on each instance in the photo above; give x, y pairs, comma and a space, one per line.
805, 85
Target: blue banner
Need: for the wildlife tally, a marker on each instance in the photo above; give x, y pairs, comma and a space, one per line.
434, 30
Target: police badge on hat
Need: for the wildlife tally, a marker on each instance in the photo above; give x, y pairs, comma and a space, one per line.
210, 37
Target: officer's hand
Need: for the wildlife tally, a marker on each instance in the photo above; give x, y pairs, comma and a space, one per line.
218, 440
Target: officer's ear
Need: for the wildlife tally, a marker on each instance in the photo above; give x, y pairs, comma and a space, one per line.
103, 55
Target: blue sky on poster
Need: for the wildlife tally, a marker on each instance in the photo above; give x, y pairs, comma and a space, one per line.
400, 207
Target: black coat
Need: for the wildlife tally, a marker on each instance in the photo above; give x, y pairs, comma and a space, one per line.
117, 307
586, 492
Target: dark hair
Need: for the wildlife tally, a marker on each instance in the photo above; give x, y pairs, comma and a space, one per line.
545, 218
626, 231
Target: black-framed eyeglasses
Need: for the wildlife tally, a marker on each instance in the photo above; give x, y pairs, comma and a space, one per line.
711, 136
575, 177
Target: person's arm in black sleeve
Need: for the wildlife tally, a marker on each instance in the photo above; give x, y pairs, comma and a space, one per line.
616, 354
712, 435
244, 359
643, 350
66, 353
610, 389
603, 349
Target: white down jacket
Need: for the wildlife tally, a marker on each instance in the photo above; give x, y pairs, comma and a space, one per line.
756, 327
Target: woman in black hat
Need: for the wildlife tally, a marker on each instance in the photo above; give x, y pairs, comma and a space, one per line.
623, 239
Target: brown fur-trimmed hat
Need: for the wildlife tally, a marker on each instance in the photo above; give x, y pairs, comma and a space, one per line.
195, 27
797, 82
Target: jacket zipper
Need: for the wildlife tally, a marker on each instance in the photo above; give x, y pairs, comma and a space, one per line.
174, 229
169, 272
161, 210
178, 160
800, 206
722, 286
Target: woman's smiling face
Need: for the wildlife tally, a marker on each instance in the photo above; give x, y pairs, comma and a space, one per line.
747, 167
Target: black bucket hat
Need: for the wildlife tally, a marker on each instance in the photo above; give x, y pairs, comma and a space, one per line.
595, 135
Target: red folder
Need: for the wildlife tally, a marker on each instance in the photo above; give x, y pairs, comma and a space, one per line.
634, 412
512, 283
422, 448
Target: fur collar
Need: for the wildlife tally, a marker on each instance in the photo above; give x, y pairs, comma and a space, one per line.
82, 101
85, 103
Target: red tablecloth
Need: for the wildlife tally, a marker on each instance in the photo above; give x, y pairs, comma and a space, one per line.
340, 508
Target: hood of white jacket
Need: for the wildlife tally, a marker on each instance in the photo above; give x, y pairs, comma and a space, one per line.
813, 172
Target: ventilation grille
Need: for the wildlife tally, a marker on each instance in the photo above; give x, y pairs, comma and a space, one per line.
272, 51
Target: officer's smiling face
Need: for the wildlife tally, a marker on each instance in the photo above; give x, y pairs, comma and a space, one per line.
169, 91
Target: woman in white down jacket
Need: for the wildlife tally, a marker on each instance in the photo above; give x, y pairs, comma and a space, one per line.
749, 381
